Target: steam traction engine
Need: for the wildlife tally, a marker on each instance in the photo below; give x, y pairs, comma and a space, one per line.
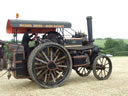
50, 61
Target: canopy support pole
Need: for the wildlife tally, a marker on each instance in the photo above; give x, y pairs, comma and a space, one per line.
15, 36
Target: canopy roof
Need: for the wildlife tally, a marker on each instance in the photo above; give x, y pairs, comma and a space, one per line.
38, 26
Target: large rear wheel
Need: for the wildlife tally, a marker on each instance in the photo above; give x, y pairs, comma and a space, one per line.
49, 65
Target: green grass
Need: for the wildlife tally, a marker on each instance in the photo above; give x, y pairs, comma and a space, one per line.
100, 43
126, 41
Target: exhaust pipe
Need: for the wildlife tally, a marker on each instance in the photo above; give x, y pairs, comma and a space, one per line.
89, 26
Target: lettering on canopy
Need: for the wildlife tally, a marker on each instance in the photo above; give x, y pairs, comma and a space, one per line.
41, 26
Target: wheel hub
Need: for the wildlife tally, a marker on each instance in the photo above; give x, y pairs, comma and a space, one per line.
51, 65
100, 67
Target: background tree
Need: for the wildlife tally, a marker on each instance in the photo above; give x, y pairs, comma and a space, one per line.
116, 47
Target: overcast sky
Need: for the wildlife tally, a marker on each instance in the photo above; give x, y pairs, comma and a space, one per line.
110, 17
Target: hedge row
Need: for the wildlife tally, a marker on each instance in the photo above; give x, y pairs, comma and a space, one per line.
121, 53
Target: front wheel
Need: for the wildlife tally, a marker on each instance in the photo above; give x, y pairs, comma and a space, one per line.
102, 67
83, 71
49, 65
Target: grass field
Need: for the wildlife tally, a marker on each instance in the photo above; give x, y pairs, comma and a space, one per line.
126, 41
100, 43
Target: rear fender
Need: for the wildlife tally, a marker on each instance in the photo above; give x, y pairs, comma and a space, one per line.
19, 65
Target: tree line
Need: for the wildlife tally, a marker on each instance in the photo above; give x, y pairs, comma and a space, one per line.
115, 47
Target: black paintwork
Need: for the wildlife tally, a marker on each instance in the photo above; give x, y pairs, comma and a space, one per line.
89, 25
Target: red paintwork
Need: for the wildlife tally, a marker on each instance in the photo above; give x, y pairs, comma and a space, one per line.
21, 30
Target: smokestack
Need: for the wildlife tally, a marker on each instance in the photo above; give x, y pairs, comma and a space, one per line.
89, 26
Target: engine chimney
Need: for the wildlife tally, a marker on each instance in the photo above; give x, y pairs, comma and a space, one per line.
89, 25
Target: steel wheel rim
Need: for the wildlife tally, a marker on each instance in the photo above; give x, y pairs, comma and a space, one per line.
51, 76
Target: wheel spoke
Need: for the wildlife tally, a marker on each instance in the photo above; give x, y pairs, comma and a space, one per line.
105, 61
104, 73
60, 69
54, 73
63, 66
83, 70
53, 77
79, 68
100, 60
38, 63
48, 76
40, 60
99, 73
45, 79
39, 72
60, 74
40, 67
61, 58
106, 64
41, 55
56, 52
40, 75
48, 51
86, 70
45, 56
56, 57
51, 55
60, 62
